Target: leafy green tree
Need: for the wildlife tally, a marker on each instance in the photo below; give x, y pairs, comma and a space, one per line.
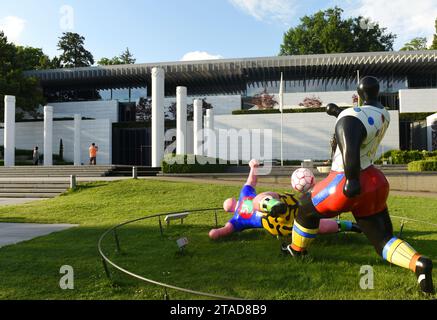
74, 54
109, 62
13, 61
125, 58
415, 44
34, 59
327, 32
434, 41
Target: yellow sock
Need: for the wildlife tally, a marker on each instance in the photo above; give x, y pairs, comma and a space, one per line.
302, 237
400, 253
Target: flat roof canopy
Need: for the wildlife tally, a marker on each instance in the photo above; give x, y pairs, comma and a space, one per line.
232, 75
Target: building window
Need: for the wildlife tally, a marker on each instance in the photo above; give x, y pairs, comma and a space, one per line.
137, 93
105, 94
122, 95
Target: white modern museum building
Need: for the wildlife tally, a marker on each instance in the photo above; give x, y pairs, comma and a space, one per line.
132, 111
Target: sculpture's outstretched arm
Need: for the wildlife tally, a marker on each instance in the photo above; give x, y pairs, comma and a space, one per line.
252, 179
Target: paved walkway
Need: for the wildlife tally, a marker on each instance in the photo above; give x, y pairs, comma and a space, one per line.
12, 233
240, 182
16, 201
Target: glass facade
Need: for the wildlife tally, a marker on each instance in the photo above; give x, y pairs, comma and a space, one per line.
137, 93
122, 95
422, 81
388, 85
105, 94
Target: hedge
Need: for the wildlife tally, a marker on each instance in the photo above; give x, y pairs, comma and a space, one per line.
424, 165
193, 164
268, 111
414, 116
406, 156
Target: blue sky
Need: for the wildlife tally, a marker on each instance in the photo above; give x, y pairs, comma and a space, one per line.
168, 30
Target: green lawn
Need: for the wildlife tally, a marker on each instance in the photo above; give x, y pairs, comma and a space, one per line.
247, 265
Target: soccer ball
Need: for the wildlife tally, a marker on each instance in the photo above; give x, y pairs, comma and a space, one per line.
303, 180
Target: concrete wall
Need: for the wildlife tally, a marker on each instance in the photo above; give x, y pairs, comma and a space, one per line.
221, 104
306, 135
341, 98
88, 109
30, 134
418, 100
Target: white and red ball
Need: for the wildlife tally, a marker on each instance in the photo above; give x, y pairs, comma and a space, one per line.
303, 180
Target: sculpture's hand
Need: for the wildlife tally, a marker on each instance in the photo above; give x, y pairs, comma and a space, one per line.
254, 163
333, 110
352, 188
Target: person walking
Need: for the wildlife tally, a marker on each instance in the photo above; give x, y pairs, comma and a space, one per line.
93, 154
35, 156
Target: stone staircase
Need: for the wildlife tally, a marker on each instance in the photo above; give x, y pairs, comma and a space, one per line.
126, 171
32, 188
54, 171
49, 182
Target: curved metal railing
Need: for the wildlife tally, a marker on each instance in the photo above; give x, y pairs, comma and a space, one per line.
106, 260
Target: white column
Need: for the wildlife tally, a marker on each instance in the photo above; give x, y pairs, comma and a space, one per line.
432, 132
181, 120
157, 116
210, 134
9, 131
197, 127
48, 136
77, 143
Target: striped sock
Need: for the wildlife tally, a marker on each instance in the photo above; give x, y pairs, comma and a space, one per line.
302, 237
400, 253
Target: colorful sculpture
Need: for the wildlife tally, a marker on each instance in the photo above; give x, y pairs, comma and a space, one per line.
269, 210
355, 185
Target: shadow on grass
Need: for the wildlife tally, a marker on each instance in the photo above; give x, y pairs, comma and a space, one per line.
13, 220
247, 264
84, 186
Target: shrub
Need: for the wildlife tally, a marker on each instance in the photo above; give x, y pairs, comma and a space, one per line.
414, 116
193, 164
406, 156
424, 165
240, 112
311, 102
294, 110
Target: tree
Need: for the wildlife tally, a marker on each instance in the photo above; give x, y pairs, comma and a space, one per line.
27, 90
144, 109
327, 32
35, 59
415, 44
434, 41
109, 62
74, 53
125, 58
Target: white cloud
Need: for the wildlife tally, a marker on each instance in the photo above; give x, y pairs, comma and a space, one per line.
200, 55
408, 19
13, 27
268, 10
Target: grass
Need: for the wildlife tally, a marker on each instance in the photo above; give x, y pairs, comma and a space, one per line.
247, 265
